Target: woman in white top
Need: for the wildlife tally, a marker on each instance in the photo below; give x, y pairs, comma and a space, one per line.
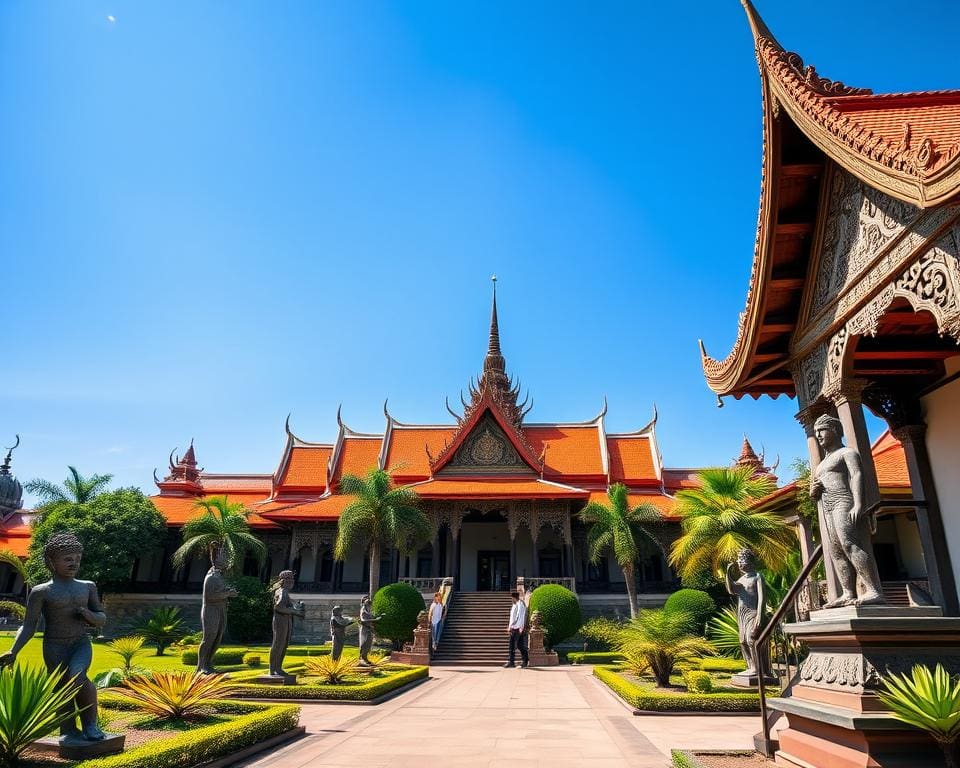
436, 616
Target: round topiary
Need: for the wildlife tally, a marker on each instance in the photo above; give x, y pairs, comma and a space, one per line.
560, 611
699, 606
399, 603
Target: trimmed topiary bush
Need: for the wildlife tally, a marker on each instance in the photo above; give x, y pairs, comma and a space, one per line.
399, 603
698, 605
560, 610
721, 665
594, 657
228, 657
697, 681
252, 660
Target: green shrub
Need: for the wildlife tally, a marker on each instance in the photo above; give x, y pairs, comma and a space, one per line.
682, 760
252, 660
657, 701
559, 609
366, 691
594, 657
699, 606
697, 681
228, 657
399, 603
163, 627
721, 665
250, 617
12, 609
31, 706
601, 633
252, 723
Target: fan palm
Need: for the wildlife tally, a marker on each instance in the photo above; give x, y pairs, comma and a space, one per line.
220, 525
662, 639
76, 489
927, 700
719, 519
623, 529
380, 515
162, 627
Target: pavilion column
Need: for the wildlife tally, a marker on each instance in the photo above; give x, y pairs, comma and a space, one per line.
933, 538
849, 402
569, 571
435, 554
535, 566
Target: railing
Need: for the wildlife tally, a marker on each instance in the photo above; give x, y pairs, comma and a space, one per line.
427, 584
530, 583
762, 639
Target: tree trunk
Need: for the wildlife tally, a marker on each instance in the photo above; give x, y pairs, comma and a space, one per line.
631, 589
374, 567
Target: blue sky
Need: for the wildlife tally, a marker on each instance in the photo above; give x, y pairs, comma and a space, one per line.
213, 214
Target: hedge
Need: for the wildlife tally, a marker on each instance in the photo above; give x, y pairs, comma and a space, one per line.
225, 656
594, 657
366, 691
721, 665
655, 701
254, 723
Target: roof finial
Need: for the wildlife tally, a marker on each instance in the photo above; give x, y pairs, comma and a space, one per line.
494, 346
5, 468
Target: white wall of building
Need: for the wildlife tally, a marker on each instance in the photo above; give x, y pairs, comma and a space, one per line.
477, 537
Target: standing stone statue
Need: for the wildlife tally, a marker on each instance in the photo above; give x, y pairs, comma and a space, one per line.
70, 609
338, 631
366, 620
213, 613
284, 609
750, 592
837, 484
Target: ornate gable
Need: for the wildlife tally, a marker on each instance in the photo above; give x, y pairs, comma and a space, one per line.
486, 450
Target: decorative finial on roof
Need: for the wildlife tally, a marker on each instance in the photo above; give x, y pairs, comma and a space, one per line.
5, 467
184, 469
11, 492
748, 458
493, 349
189, 458
339, 418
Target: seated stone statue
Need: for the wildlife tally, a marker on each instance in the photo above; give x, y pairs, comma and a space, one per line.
70, 609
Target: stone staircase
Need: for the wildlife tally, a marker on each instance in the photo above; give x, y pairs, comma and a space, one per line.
475, 631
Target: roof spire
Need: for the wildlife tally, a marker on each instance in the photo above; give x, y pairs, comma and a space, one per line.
493, 348
11, 492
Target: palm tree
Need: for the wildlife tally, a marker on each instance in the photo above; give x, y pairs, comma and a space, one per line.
660, 639
380, 515
220, 525
624, 530
719, 519
76, 489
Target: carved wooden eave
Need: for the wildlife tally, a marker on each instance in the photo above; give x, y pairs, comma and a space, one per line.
810, 130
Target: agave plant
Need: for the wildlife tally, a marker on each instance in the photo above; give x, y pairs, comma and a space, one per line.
662, 639
162, 628
127, 648
176, 695
329, 670
33, 702
929, 701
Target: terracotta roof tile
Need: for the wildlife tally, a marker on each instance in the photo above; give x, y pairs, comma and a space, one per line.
18, 545
407, 452
358, 455
572, 451
495, 489
327, 508
891, 462
178, 509
306, 468
631, 459
217, 484
665, 504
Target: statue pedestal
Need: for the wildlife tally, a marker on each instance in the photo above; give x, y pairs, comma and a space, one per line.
417, 652
276, 680
78, 748
833, 714
743, 680
538, 654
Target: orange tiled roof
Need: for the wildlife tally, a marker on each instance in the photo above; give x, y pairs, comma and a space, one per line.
306, 468
665, 504
495, 489
407, 452
891, 462
18, 545
572, 451
327, 508
218, 484
15, 534
631, 459
358, 455
178, 509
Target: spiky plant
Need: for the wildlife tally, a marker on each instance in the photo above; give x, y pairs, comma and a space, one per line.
176, 695
127, 648
623, 530
76, 489
219, 525
662, 639
723, 631
380, 515
634, 664
929, 701
163, 627
33, 702
329, 670
720, 518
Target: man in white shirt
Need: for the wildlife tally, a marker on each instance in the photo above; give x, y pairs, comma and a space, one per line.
518, 622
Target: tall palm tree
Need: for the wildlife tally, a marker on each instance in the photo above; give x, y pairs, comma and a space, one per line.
624, 530
720, 518
76, 489
219, 525
380, 515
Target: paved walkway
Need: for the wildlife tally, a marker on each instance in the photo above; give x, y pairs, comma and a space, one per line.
558, 717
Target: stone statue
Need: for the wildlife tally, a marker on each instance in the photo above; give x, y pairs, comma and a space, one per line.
284, 609
70, 609
338, 631
213, 612
366, 620
750, 592
837, 484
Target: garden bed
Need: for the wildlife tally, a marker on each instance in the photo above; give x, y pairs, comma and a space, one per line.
594, 657
642, 694
231, 727
719, 758
367, 688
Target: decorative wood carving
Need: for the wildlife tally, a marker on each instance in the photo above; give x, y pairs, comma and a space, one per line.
487, 450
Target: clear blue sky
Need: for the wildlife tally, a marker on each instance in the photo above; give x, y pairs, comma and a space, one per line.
215, 213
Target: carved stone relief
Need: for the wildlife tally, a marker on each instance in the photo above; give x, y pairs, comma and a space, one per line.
862, 671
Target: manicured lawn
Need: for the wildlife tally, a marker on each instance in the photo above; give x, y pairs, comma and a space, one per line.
361, 687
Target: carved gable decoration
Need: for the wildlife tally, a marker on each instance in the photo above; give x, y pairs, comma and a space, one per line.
486, 450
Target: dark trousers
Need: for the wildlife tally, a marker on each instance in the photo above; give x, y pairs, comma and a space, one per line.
518, 640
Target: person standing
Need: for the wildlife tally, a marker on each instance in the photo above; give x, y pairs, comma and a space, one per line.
436, 618
518, 622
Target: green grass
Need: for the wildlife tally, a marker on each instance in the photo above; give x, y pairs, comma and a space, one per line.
363, 688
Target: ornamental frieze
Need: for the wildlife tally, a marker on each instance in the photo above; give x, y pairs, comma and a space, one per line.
857, 671
486, 450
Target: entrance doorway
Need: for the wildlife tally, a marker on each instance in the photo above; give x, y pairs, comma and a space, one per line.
493, 571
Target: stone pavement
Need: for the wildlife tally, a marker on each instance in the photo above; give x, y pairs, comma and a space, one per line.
557, 717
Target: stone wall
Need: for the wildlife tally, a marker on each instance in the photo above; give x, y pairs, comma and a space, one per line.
616, 606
